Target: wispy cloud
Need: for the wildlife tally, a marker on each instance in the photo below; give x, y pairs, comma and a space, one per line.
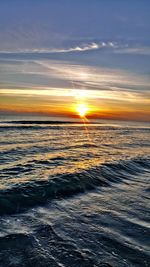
94, 77
72, 80
77, 48
111, 46
115, 94
76, 74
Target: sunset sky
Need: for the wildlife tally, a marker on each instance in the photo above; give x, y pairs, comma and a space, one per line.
57, 56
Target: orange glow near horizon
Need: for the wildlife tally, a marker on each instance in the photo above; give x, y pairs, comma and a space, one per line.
79, 104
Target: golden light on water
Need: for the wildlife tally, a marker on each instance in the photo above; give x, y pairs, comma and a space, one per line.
82, 110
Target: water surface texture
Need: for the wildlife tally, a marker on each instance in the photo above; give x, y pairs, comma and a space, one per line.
74, 195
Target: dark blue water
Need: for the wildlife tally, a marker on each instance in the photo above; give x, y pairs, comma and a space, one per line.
72, 195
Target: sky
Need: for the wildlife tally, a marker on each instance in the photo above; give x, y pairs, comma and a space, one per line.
58, 56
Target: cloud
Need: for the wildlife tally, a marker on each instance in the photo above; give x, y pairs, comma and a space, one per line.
111, 46
62, 79
98, 77
77, 48
54, 73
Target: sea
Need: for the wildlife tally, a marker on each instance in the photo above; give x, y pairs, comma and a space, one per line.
74, 194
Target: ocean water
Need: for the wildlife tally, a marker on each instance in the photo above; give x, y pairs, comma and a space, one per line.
74, 195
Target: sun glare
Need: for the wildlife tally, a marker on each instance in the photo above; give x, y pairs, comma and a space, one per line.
82, 110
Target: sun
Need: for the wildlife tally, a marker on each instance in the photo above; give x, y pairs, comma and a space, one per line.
82, 110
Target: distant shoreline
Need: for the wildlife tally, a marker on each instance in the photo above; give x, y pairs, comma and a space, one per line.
52, 122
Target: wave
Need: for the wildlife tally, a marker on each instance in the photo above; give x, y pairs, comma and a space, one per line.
43, 247
39, 125
28, 127
34, 149
18, 198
